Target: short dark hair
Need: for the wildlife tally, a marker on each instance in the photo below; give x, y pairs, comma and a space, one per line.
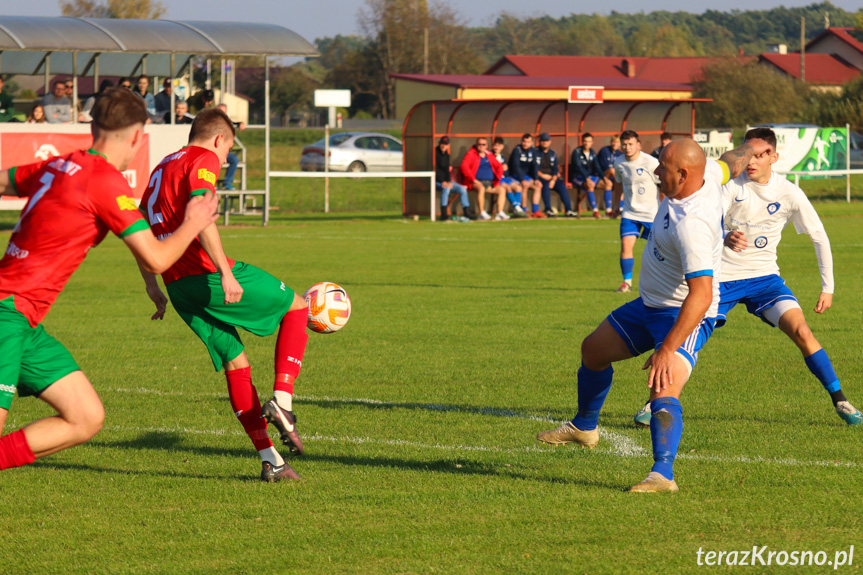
765, 134
526, 136
117, 109
665, 136
586, 135
143, 77
61, 82
498, 140
209, 123
629, 135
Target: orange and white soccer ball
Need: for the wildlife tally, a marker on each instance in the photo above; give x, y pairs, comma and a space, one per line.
329, 307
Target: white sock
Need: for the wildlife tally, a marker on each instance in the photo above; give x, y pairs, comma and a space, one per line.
270, 454
628, 282
284, 399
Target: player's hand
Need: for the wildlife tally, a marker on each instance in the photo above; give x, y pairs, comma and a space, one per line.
736, 241
203, 210
159, 299
233, 290
825, 300
660, 363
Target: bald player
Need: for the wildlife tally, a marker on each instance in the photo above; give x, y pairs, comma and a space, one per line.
676, 311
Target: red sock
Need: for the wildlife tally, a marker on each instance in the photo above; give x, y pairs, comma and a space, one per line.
290, 347
247, 406
15, 451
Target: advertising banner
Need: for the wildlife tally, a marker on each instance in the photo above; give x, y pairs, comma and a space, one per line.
20, 148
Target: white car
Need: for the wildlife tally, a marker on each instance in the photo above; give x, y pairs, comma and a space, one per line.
355, 152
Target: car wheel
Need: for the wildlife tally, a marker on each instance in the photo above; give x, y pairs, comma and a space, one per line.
357, 167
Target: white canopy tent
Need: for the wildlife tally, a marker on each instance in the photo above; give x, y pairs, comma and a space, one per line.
33, 45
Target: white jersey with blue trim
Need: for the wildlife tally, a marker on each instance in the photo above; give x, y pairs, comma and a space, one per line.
685, 242
640, 186
761, 212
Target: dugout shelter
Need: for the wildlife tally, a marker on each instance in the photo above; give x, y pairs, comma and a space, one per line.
33, 45
465, 120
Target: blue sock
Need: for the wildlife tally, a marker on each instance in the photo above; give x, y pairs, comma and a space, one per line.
593, 386
820, 366
666, 427
510, 196
534, 208
591, 199
607, 197
626, 266
517, 196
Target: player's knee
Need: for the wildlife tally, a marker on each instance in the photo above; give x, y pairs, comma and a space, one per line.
803, 335
89, 422
298, 303
591, 352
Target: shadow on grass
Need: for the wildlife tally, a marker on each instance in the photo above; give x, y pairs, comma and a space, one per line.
175, 442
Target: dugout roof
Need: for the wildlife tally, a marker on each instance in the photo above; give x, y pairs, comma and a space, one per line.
465, 120
126, 47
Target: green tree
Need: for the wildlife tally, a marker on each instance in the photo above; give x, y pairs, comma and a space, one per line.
136, 9
396, 31
748, 93
585, 36
665, 41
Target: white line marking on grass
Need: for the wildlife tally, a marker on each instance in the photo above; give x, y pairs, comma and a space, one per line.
621, 445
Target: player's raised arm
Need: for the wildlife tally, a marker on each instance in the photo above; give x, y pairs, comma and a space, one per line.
156, 256
738, 158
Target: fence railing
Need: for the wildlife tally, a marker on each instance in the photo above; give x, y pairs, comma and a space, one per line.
847, 173
356, 175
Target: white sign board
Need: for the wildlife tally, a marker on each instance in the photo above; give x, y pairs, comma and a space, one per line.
332, 98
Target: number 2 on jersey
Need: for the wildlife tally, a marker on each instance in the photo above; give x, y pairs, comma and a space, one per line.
155, 184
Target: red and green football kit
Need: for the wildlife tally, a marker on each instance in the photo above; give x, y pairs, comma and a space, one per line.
193, 283
75, 200
195, 289
191, 171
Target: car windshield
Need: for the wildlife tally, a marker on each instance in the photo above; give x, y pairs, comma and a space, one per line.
335, 140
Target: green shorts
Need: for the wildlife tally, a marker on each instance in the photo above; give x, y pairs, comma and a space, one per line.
30, 359
200, 301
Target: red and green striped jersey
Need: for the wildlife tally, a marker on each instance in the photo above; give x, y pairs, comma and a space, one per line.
189, 172
74, 201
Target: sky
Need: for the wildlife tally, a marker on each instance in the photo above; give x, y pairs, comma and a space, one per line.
320, 18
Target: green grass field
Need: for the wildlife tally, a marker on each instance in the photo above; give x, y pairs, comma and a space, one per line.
420, 418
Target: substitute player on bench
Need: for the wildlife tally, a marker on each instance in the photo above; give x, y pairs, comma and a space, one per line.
758, 205
75, 200
216, 295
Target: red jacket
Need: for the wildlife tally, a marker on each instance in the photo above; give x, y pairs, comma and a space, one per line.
470, 164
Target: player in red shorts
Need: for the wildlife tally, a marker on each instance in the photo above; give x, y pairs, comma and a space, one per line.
75, 200
216, 295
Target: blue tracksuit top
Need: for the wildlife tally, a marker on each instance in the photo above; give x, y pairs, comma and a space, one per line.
551, 157
605, 159
583, 165
521, 163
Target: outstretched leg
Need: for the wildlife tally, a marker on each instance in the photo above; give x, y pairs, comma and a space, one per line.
598, 351
793, 324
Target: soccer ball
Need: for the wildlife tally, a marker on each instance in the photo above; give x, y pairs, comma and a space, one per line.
329, 307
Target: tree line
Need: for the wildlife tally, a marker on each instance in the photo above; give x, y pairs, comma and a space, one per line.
417, 36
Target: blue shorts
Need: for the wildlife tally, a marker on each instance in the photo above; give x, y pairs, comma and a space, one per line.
507, 181
634, 228
527, 179
644, 328
579, 181
759, 295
